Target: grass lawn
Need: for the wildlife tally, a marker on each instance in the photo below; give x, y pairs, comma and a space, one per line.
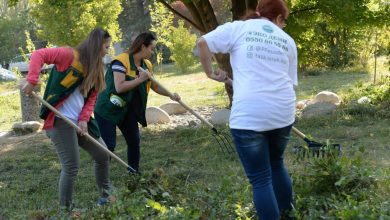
185, 176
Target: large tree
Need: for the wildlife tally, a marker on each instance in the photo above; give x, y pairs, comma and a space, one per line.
133, 20
328, 33
203, 18
67, 22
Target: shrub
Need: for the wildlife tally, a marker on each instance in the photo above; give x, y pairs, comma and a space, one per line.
338, 186
181, 48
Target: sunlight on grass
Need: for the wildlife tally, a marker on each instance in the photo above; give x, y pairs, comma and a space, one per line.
194, 88
184, 173
10, 111
8, 86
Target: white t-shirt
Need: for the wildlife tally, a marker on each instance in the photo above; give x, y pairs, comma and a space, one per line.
264, 62
73, 105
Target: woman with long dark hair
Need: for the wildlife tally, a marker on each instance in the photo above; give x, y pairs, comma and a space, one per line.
123, 102
264, 63
72, 88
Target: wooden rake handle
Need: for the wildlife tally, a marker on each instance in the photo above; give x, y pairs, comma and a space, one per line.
180, 102
298, 132
89, 137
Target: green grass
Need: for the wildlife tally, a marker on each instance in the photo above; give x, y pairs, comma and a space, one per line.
186, 177
194, 88
7, 86
10, 111
334, 81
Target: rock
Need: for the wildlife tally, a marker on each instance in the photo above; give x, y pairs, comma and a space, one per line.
364, 100
155, 115
326, 96
302, 104
220, 117
318, 109
7, 75
28, 127
173, 108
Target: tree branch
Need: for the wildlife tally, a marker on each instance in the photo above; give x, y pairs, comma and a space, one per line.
182, 16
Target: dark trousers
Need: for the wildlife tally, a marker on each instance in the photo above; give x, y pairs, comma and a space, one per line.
130, 131
261, 154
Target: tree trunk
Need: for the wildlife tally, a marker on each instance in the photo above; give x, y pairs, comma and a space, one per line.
203, 13
204, 17
239, 10
30, 106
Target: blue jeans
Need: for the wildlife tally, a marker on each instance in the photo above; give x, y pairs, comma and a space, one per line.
130, 131
261, 154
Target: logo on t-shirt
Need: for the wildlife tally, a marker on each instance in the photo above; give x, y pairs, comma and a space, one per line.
268, 29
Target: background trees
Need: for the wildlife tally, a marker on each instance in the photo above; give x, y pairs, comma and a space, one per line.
329, 34
63, 22
334, 34
14, 22
134, 19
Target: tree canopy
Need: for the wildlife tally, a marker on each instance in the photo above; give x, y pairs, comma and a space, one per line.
64, 22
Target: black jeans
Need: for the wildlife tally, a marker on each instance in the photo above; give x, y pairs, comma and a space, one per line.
130, 131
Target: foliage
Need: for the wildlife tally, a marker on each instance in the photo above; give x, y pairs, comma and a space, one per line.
222, 10
30, 47
162, 25
12, 36
183, 43
68, 22
334, 33
342, 185
378, 94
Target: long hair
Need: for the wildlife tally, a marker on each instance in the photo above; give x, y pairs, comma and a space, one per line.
90, 57
269, 9
145, 39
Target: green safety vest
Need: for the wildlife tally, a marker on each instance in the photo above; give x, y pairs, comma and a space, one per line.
61, 84
113, 112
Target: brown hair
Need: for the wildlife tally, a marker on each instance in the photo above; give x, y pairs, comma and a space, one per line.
269, 9
145, 39
90, 57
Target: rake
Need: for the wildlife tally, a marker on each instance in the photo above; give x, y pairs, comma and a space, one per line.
224, 142
89, 137
313, 148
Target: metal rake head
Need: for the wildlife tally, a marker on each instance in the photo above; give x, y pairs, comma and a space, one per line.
224, 141
315, 149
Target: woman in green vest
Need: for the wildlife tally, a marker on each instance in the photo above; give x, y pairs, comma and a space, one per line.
72, 88
123, 102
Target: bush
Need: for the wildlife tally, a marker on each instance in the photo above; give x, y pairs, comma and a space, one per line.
378, 94
339, 187
181, 48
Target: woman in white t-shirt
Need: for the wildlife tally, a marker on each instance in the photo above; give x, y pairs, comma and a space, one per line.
264, 63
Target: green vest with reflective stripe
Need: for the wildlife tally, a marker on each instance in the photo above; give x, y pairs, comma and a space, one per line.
115, 111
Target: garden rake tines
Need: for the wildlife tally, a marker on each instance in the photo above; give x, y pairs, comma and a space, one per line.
223, 140
313, 148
